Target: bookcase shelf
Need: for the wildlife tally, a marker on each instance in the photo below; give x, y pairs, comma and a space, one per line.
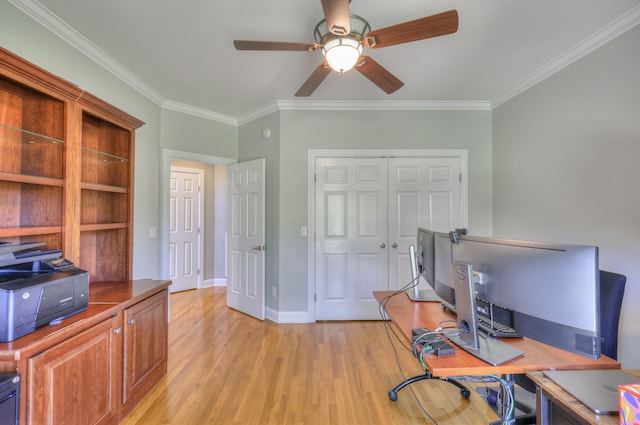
66, 170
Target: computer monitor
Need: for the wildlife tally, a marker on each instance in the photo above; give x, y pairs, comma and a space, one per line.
425, 254
422, 264
552, 289
444, 284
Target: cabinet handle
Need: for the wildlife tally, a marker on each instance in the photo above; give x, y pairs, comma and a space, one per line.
117, 331
132, 321
382, 245
394, 245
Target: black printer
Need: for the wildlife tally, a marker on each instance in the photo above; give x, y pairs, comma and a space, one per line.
37, 288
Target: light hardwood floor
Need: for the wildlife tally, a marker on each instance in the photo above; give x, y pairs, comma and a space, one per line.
228, 368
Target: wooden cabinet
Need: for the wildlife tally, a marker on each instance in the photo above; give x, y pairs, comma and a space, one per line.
66, 170
95, 366
75, 381
145, 348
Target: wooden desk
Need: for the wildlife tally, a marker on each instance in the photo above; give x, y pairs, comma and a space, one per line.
408, 315
556, 406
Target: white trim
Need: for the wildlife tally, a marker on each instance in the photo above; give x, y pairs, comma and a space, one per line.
57, 26
383, 105
314, 154
588, 45
288, 316
198, 112
215, 282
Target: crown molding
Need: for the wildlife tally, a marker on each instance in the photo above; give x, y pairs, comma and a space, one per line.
591, 43
384, 105
198, 112
44, 17
260, 112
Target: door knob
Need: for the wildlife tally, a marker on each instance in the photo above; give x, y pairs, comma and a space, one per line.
258, 248
394, 245
382, 245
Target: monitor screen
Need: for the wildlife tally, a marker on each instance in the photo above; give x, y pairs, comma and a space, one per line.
444, 284
553, 289
425, 255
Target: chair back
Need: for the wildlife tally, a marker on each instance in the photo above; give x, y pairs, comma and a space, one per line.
611, 294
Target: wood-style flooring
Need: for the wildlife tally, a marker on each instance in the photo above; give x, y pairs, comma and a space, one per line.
228, 368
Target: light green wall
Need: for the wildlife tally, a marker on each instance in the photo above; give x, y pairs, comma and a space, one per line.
566, 167
188, 133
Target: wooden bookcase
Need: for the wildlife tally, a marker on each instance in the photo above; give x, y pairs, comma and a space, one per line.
66, 170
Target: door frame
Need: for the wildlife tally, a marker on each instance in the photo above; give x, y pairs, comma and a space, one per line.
167, 156
314, 154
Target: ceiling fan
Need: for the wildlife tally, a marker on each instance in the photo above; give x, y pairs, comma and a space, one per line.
342, 36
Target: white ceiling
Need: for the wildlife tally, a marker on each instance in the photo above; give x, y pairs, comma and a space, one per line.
180, 53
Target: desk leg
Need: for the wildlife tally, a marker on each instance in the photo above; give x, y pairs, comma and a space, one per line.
512, 418
542, 406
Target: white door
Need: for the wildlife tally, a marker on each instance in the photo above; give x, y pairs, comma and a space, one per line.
246, 241
423, 192
368, 211
351, 230
184, 228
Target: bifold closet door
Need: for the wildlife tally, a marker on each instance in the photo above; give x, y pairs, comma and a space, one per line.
368, 211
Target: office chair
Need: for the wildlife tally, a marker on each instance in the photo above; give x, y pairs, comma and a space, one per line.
611, 293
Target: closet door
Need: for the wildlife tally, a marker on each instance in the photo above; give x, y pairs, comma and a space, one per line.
423, 192
351, 230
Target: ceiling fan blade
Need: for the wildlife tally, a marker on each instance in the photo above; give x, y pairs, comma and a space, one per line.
275, 45
419, 29
378, 75
314, 80
336, 13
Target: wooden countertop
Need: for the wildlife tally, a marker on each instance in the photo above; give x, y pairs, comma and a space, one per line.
106, 299
537, 355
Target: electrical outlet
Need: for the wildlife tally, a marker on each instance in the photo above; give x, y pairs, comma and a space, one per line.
303, 231
274, 291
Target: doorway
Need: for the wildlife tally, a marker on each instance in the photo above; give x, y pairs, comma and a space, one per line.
213, 269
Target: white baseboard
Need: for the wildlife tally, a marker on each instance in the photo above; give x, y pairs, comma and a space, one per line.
214, 282
288, 316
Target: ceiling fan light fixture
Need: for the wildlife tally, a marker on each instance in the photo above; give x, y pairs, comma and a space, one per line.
342, 53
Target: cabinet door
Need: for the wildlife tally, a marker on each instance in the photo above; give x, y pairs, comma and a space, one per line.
76, 381
145, 348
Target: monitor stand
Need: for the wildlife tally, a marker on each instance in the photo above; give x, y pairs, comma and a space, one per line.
428, 295
484, 347
491, 350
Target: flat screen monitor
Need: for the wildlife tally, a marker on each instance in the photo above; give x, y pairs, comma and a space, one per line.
444, 284
425, 255
552, 289
422, 264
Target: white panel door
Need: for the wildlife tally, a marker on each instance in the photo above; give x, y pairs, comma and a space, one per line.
423, 192
351, 224
184, 228
246, 238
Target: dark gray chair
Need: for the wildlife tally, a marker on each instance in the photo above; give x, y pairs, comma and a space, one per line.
611, 294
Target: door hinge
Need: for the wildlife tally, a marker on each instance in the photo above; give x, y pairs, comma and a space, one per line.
314, 298
460, 178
